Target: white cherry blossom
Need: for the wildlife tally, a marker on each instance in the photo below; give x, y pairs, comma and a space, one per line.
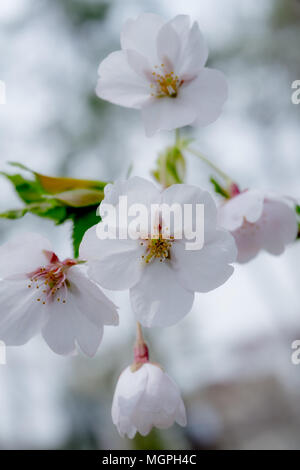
161, 71
40, 293
258, 221
161, 274
145, 398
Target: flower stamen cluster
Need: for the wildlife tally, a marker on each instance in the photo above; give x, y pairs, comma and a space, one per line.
165, 83
157, 248
51, 279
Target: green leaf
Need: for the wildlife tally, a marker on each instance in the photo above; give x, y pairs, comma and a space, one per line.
20, 165
50, 209
28, 190
298, 209
82, 221
58, 199
219, 189
14, 213
54, 185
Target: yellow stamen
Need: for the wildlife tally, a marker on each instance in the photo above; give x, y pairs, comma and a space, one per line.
157, 248
167, 84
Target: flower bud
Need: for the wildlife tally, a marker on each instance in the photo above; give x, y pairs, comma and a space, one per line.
146, 398
171, 168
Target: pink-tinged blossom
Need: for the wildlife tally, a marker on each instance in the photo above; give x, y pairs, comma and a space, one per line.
258, 221
41, 293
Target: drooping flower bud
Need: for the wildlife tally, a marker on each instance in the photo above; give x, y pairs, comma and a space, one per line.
146, 398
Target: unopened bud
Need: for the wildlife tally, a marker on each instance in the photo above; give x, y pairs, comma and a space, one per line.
171, 168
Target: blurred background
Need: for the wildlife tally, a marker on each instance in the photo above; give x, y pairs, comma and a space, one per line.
231, 356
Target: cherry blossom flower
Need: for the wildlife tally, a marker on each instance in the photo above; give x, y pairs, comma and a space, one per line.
160, 272
145, 398
161, 71
40, 293
258, 221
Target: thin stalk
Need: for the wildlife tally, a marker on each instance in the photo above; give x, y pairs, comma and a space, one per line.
139, 334
212, 165
141, 351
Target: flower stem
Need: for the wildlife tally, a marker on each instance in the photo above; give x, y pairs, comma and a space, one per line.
141, 352
226, 178
139, 333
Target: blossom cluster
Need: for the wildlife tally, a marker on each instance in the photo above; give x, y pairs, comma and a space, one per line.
160, 70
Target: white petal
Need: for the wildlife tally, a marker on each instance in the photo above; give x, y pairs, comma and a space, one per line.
198, 103
159, 403
248, 205
158, 299
168, 113
140, 65
120, 84
22, 316
181, 414
67, 327
168, 47
206, 269
193, 54
130, 389
114, 264
140, 35
136, 189
209, 91
143, 422
162, 392
181, 24
23, 254
187, 194
90, 299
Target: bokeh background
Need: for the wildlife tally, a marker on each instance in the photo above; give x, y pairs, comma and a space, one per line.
231, 355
